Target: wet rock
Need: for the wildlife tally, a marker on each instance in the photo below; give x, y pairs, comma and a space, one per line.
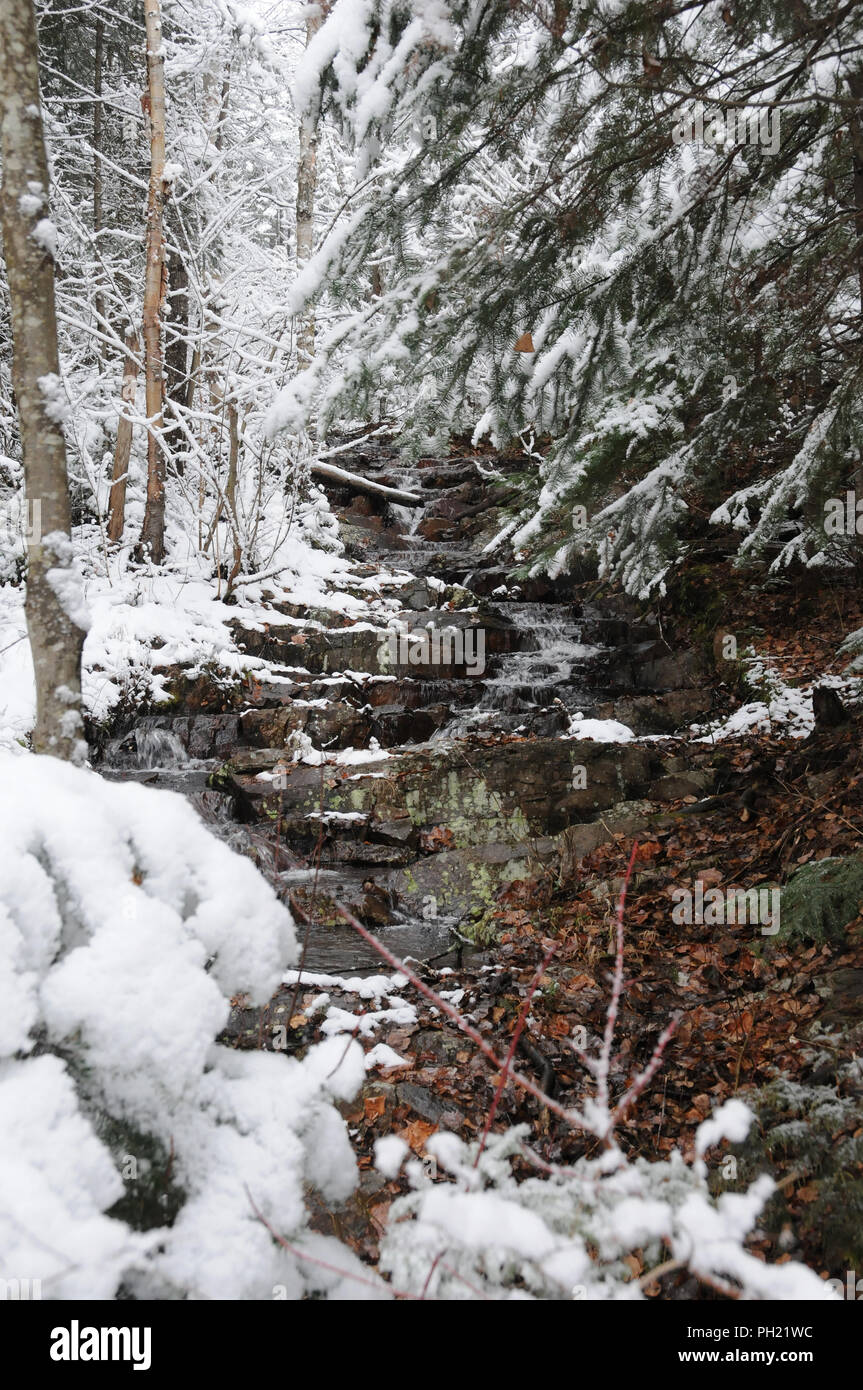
364, 853
434, 528
827, 707
337, 649
671, 671
676, 786
451, 508
338, 725
360, 506
483, 793
394, 832
392, 726
577, 841
438, 1045
213, 691
268, 694
662, 713
376, 909
416, 595
198, 735
465, 880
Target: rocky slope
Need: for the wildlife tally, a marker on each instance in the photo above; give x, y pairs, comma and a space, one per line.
431, 748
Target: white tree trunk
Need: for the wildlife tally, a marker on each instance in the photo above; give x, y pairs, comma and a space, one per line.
307, 178
55, 637
153, 529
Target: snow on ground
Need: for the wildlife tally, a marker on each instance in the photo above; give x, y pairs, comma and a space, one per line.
366, 987
599, 730
142, 622
376, 989
386, 1058
353, 756
17, 688
785, 709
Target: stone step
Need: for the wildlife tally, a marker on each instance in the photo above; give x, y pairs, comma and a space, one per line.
468, 793
340, 724
375, 650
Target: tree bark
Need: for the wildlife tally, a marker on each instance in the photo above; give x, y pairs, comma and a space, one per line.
99, 301
177, 331
153, 528
855, 128
55, 638
123, 446
307, 177
231, 492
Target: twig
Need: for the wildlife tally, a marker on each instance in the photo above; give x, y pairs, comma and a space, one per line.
603, 1064
294, 1250
571, 1117
504, 1077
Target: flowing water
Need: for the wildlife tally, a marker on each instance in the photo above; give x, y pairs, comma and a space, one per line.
535, 683
546, 677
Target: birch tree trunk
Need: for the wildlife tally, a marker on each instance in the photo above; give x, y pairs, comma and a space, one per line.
55, 638
307, 177
153, 528
123, 446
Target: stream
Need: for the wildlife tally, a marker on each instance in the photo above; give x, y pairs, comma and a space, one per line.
450, 760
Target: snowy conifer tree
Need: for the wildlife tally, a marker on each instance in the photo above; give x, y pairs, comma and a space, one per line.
634, 233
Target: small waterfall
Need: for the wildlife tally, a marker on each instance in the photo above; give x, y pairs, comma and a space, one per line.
159, 748
538, 674
549, 673
148, 746
533, 690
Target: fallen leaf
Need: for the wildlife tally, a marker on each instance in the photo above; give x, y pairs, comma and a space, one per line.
416, 1133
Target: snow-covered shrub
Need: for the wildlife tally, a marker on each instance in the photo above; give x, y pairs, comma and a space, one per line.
814, 1130
125, 928
571, 1231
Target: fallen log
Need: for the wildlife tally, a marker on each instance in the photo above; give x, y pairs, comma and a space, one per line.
341, 475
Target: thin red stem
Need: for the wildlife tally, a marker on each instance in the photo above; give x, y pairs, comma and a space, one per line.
458, 1019
504, 1076
604, 1061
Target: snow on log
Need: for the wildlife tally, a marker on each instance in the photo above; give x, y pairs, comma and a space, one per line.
341, 475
